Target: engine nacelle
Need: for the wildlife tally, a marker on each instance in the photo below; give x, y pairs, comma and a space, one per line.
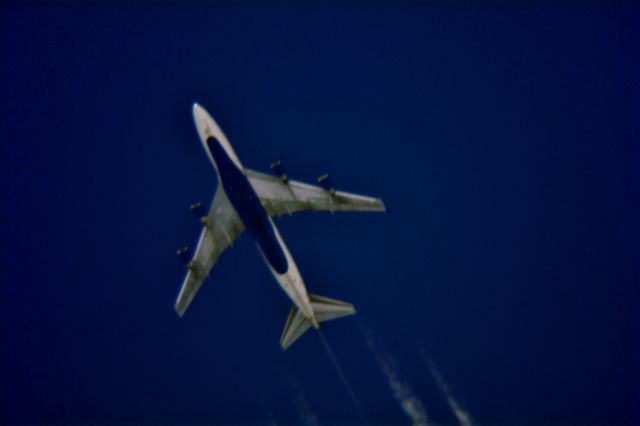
197, 210
183, 254
327, 183
279, 170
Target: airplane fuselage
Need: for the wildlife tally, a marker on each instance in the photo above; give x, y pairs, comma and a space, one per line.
257, 222
247, 204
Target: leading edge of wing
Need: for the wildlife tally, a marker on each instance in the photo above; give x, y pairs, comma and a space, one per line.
191, 283
294, 196
222, 227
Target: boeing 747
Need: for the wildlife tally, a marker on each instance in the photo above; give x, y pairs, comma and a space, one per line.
247, 200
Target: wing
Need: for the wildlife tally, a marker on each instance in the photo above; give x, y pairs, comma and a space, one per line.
280, 198
222, 227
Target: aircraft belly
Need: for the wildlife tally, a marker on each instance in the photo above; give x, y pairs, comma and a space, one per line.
261, 227
291, 281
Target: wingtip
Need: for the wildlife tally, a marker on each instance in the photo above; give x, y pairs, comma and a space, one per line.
179, 310
284, 346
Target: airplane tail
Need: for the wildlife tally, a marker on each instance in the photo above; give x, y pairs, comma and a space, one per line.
325, 309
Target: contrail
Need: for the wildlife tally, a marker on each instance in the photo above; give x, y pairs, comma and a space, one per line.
267, 411
343, 378
304, 409
463, 416
401, 389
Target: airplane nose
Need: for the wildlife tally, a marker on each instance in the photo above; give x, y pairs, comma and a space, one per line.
197, 110
201, 119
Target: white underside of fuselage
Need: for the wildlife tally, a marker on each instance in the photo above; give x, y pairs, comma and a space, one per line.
290, 281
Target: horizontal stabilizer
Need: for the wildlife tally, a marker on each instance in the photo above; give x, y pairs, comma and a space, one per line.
324, 309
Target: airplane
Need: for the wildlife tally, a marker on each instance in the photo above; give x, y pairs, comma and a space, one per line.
247, 199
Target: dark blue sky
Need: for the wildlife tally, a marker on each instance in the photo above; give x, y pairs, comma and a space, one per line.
504, 139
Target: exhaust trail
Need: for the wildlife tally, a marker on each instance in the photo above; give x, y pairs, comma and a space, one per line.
307, 416
400, 388
462, 415
343, 378
267, 411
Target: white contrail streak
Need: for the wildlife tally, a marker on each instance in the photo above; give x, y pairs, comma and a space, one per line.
343, 378
463, 416
304, 409
400, 388
267, 411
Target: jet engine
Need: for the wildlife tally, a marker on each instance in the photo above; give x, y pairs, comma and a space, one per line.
183, 254
197, 210
279, 170
327, 183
